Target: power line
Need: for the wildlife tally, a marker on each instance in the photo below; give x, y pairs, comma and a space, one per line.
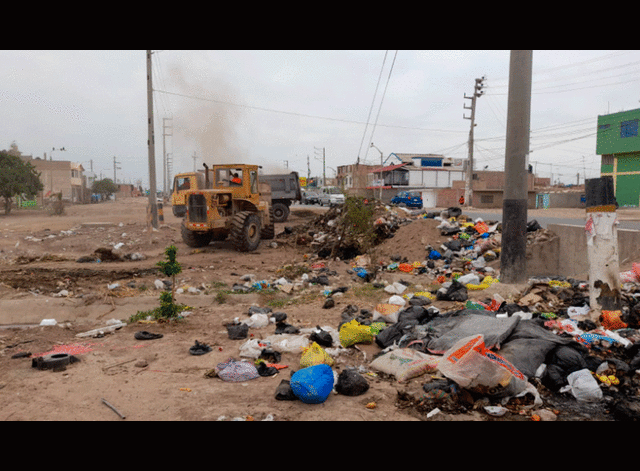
380, 106
372, 102
303, 115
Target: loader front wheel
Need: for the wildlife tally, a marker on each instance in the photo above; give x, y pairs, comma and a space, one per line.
195, 239
245, 231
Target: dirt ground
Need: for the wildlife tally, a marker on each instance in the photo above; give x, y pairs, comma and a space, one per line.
159, 380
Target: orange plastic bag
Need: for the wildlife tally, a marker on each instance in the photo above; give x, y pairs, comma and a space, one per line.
481, 227
611, 320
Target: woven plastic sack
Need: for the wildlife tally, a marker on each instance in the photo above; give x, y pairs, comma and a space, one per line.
406, 363
314, 354
236, 371
353, 332
312, 385
473, 366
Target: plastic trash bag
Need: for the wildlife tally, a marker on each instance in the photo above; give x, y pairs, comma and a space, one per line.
387, 312
236, 371
351, 383
287, 342
353, 332
314, 354
312, 385
474, 367
584, 386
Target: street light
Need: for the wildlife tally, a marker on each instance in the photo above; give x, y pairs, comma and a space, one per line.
381, 164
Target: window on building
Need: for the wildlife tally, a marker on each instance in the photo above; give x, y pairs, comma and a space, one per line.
607, 159
486, 199
629, 128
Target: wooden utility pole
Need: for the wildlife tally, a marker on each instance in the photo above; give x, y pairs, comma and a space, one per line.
153, 204
513, 259
468, 193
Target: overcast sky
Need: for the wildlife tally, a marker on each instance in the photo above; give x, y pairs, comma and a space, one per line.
280, 109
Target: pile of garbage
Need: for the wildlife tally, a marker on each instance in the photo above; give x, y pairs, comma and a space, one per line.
469, 346
504, 357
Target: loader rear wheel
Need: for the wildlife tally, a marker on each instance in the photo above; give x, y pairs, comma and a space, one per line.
195, 239
268, 232
245, 231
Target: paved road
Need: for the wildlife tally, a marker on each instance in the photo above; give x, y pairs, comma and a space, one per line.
544, 221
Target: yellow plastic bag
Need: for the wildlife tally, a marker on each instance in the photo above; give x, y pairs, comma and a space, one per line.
313, 355
353, 332
486, 282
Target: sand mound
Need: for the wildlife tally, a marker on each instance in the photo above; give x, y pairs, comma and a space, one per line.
410, 240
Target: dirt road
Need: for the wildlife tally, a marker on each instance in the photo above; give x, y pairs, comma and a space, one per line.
158, 379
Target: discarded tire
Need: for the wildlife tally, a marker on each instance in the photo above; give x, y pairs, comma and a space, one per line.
55, 361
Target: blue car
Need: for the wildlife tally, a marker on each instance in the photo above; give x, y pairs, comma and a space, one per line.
410, 199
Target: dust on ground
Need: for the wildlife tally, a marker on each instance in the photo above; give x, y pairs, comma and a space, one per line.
40, 278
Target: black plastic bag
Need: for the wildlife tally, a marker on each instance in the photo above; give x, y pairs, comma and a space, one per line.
284, 391
394, 332
456, 292
322, 338
237, 331
351, 383
266, 370
284, 328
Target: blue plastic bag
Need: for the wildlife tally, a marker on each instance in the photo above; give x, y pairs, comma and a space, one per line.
312, 385
435, 255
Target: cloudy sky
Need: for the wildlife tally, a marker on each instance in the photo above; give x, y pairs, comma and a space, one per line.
283, 109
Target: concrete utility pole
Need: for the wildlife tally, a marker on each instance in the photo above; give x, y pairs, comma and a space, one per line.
153, 203
513, 259
468, 192
602, 246
115, 167
381, 164
165, 164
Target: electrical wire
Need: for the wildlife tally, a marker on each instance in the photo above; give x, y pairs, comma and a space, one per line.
371, 107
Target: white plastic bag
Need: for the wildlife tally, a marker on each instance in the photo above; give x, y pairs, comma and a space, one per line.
257, 320
584, 386
473, 366
388, 312
251, 349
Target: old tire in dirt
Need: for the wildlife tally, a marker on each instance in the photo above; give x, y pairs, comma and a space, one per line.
268, 232
280, 212
195, 239
245, 231
55, 361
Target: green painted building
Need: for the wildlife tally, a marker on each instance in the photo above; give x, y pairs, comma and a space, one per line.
618, 142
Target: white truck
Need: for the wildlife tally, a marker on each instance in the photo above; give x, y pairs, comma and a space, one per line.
331, 196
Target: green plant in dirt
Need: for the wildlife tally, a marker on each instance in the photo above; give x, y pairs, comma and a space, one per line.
168, 308
356, 225
170, 267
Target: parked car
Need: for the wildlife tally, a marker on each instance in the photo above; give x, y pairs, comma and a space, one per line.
309, 197
410, 199
331, 196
